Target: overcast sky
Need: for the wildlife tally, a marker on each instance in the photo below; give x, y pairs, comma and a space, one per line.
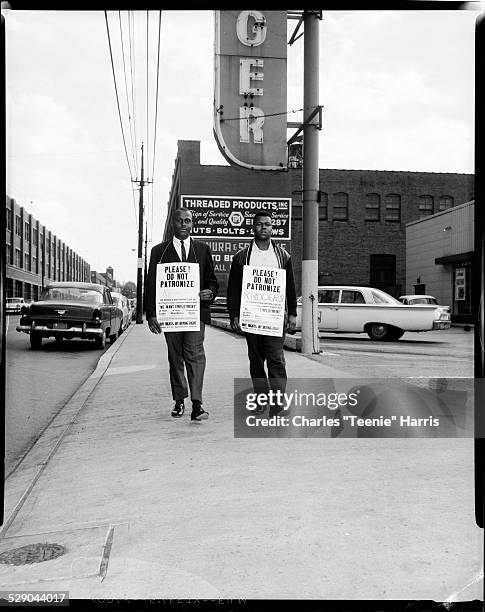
397, 90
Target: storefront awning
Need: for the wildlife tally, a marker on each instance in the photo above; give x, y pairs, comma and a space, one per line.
459, 258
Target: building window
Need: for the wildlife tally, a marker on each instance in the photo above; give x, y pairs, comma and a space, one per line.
18, 260
35, 237
426, 206
34, 265
340, 207
27, 231
382, 271
323, 206
9, 219
372, 207
393, 208
8, 252
18, 226
445, 202
26, 262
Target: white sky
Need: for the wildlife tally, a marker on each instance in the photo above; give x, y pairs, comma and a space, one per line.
397, 90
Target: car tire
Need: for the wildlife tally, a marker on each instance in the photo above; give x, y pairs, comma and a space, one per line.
35, 340
379, 331
100, 341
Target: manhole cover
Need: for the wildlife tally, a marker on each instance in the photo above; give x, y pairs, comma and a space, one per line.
32, 553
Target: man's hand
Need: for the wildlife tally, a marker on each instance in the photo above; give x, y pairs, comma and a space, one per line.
153, 325
205, 295
291, 324
235, 324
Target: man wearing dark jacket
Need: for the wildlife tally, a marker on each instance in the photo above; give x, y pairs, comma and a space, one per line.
263, 252
185, 347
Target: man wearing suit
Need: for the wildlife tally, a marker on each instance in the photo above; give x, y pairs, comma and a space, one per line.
186, 347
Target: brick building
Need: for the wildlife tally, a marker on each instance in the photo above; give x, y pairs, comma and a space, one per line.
363, 213
35, 256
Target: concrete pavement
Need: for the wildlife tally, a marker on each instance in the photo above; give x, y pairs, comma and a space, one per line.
151, 507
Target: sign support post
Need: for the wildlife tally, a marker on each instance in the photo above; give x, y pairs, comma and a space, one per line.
311, 186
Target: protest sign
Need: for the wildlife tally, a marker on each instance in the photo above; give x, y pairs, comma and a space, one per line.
263, 300
177, 296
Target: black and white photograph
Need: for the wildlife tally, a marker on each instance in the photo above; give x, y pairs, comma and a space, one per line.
239, 305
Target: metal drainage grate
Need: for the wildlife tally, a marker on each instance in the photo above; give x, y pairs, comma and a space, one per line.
32, 553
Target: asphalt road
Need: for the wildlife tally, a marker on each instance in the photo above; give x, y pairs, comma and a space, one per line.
38, 385
447, 354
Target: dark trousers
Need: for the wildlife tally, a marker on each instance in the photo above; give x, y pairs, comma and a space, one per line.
186, 348
267, 349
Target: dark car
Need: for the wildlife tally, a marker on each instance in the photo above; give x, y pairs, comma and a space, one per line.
72, 310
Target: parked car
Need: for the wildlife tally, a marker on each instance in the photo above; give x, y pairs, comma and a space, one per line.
122, 302
72, 310
414, 300
14, 304
219, 305
367, 310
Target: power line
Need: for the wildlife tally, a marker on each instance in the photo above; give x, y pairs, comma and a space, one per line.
147, 109
132, 70
116, 92
126, 91
156, 96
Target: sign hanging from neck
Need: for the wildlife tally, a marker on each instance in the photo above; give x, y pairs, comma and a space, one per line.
250, 114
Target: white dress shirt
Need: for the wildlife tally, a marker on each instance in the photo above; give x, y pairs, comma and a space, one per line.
178, 246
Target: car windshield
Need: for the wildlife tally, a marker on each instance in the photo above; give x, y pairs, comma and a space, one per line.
72, 294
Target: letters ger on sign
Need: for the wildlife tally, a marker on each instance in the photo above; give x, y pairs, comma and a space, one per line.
250, 118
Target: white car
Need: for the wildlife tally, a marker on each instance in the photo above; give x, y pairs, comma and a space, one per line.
122, 302
14, 304
348, 309
413, 300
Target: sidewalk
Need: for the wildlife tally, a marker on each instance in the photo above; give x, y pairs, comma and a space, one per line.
151, 507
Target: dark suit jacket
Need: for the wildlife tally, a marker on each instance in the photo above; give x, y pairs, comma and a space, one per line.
199, 253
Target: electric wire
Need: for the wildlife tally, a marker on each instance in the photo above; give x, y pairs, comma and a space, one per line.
133, 148
116, 92
132, 70
156, 95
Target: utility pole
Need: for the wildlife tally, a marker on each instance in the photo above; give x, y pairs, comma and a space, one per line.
145, 272
139, 276
311, 185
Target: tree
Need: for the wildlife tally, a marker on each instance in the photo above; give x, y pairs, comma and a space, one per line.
129, 290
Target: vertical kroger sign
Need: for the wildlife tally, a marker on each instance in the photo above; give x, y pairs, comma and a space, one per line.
250, 88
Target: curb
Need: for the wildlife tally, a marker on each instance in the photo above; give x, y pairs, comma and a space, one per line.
292, 343
27, 472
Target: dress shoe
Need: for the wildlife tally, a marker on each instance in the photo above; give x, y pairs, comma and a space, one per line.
198, 413
178, 409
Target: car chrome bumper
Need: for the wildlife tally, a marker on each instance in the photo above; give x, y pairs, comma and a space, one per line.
44, 330
441, 324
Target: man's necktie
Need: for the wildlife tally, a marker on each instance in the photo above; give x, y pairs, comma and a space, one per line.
184, 254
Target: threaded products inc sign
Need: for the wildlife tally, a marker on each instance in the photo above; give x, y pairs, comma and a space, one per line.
250, 118
232, 216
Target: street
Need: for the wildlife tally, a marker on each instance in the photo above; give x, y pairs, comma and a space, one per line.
447, 354
38, 385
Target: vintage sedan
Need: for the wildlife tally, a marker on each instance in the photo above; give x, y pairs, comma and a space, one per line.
413, 300
347, 309
72, 310
14, 304
122, 302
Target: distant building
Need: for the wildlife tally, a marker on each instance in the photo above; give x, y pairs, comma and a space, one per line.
104, 278
35, 256
439, 259
362, 213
